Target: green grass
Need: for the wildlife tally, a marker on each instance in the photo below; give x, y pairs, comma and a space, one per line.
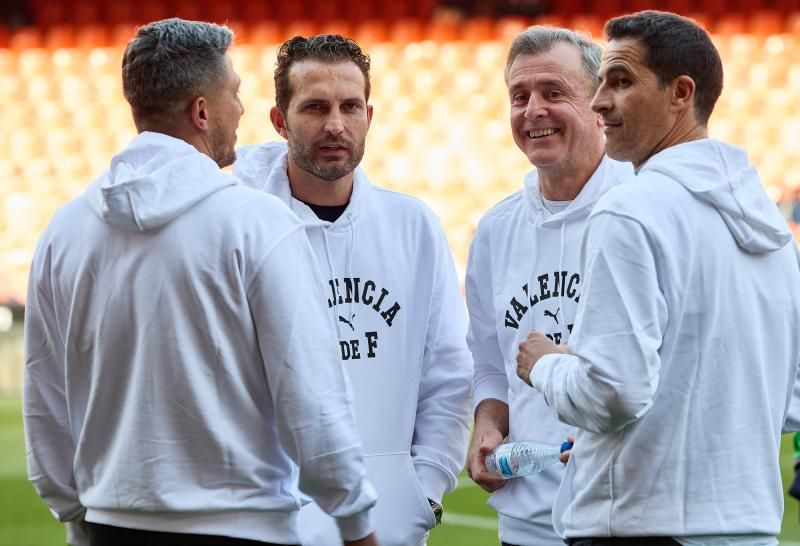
25, 521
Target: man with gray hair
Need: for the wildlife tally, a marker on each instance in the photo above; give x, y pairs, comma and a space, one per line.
524, 271
178, 356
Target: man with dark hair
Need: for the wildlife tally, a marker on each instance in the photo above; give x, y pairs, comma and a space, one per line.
524, 272
178, 357
684, 356
391, 287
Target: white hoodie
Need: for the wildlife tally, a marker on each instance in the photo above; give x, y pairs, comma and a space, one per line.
177, 355
520, 244
392, 288
683, 357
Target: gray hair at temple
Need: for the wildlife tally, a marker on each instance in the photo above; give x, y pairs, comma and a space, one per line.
540, 39
171, 62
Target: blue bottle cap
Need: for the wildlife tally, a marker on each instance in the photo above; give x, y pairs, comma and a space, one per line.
566, 446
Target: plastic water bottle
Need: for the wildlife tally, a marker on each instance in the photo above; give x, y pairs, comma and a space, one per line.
523, 458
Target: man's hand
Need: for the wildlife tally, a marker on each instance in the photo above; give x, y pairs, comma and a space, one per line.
368, 540
482, 444
564, 457
535, 346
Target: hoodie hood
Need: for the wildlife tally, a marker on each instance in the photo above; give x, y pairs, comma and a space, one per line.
154, 180
720, 175
265, 167
609, 173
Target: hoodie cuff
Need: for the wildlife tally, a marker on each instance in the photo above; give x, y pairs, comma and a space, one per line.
357, 526
490, 387
541, 371
432, 480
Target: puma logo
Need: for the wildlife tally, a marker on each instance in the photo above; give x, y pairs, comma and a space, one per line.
349, 323
547, 313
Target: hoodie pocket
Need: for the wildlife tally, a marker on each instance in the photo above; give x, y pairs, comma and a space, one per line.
402, 515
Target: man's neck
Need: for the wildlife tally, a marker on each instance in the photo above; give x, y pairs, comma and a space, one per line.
311, 189
564, 184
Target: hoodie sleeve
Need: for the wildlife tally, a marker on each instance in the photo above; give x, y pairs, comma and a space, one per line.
315, 420
49, 442
442, 423
611, 375
489, 379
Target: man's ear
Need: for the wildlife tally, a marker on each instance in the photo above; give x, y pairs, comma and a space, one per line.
199, 114
683, 90
369, 115
279, 121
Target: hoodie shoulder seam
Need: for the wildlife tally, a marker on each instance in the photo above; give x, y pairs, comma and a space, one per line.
258, 265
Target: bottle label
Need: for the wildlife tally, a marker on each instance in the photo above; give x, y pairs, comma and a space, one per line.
505, 468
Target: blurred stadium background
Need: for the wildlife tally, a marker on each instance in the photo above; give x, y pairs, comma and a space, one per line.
440, 132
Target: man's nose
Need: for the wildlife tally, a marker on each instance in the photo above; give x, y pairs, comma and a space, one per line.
334, 123
536, 108
600, 102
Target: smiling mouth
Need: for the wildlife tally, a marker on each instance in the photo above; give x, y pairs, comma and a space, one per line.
539, 133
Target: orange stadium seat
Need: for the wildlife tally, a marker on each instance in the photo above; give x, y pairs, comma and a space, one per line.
84, 13
406, 30
299, 27
122, 33
221, 11
26, 38
358, 10
92, 35
253, 11
323, 10
732, 23
151, 10
60, 36
371, 31
507, 28
51, 13
263, 33
286, 12
553, 19
765, 23
443, 29
115, 13
793, 23
477, 29
589, 24
188, 9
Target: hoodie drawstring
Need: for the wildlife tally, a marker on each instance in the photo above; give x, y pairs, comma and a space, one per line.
331, 275
563, 280
350, 261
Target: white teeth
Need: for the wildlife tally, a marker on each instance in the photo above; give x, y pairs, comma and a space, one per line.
541, 132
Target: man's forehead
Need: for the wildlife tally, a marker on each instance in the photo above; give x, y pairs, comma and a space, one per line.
560, 62
308, 70
623, 51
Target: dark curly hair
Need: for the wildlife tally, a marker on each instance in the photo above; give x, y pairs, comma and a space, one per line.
325, 48
675, 46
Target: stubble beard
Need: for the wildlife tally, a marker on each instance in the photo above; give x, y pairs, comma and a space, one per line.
224, 154
303, 156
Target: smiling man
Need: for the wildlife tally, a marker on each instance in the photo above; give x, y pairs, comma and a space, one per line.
391, 288
524, 272
684, 355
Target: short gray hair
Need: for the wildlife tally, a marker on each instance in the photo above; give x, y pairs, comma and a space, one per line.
171, 62
539, 39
